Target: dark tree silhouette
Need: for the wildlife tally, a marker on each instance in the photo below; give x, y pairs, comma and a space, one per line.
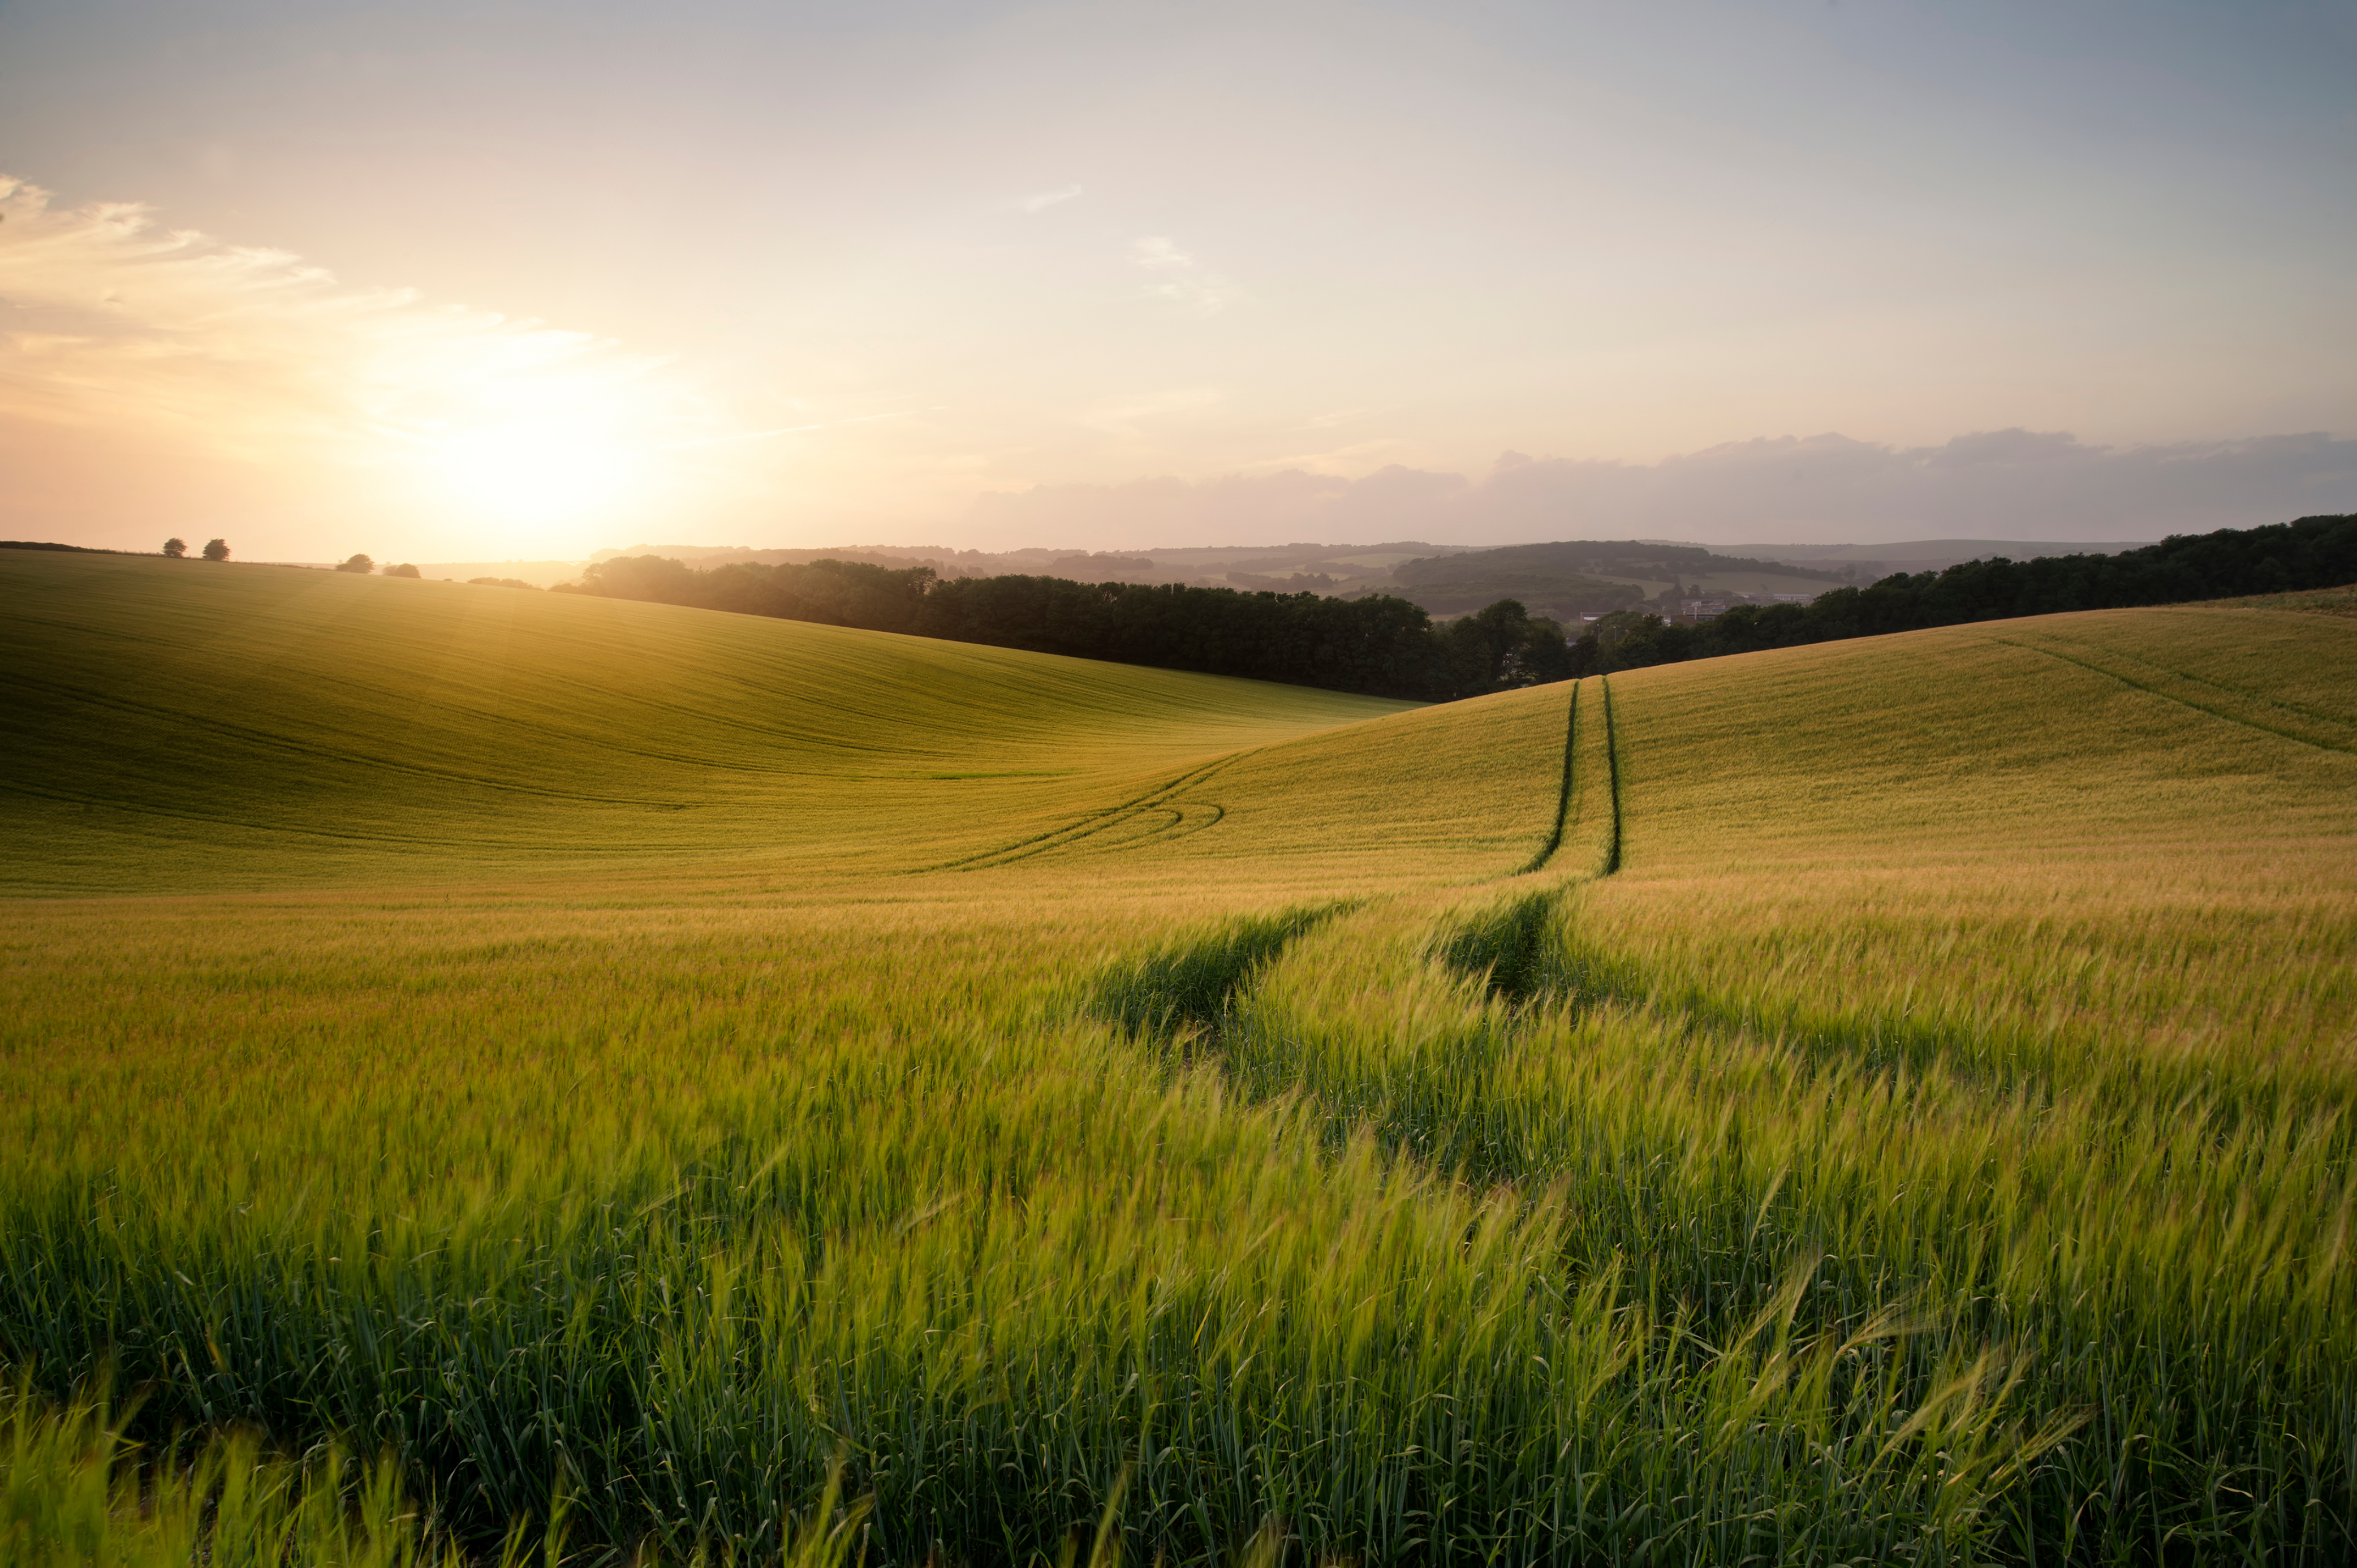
1388, 647
403, 570
176, 548
216, 549
359, 563
2310, 552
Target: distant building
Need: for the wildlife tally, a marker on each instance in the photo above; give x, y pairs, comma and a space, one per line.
1699, 610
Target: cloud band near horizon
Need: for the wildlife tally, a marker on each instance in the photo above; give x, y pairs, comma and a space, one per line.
1828, 489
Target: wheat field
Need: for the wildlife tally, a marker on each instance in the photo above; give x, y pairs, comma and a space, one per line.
730, 1088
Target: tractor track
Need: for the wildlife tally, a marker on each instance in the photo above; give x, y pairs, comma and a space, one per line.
1177, 819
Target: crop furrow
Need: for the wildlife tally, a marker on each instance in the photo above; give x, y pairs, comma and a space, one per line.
1563, 796
2247, 694
2153, 690
1612, 772
265, 740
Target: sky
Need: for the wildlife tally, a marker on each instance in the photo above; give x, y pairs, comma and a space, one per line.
525, 279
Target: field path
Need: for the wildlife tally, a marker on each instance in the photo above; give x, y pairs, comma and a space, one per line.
1567, 799
1612, 770
1179, 818
2219, 696
1563, 798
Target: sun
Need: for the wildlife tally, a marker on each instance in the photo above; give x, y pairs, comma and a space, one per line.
537, 441
538, 471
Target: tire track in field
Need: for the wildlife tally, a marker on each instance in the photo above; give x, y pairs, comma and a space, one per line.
2322, 715
2137, 685
1612, 771
1571, 782
1180, 820
1562, 798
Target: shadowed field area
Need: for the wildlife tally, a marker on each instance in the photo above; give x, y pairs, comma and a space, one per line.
1887, 1099
332, 727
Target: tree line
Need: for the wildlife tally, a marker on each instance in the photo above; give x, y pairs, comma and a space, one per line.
2287, 557
1387, 647
1379, 646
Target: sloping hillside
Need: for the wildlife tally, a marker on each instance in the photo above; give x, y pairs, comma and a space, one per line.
180, 724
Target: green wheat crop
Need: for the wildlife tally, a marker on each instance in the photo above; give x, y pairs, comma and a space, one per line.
680, 1086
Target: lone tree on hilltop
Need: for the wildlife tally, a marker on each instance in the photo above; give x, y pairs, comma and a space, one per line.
176, 548
216, 549
359, 563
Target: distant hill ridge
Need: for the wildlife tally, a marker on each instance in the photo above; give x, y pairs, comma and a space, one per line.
47, 544
1605, 557
1565, 579
1383, 643
1932, 554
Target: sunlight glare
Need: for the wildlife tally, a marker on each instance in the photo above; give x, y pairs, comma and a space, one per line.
539, 471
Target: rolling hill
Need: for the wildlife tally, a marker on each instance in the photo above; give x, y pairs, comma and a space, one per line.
1882, 1099
184, 725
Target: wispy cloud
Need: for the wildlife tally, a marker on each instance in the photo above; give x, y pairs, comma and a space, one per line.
1042, 200
158, 340
1179, 276
1131, 418
1341, 416
110, 319
1349, 462
1159, 252
737, 435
